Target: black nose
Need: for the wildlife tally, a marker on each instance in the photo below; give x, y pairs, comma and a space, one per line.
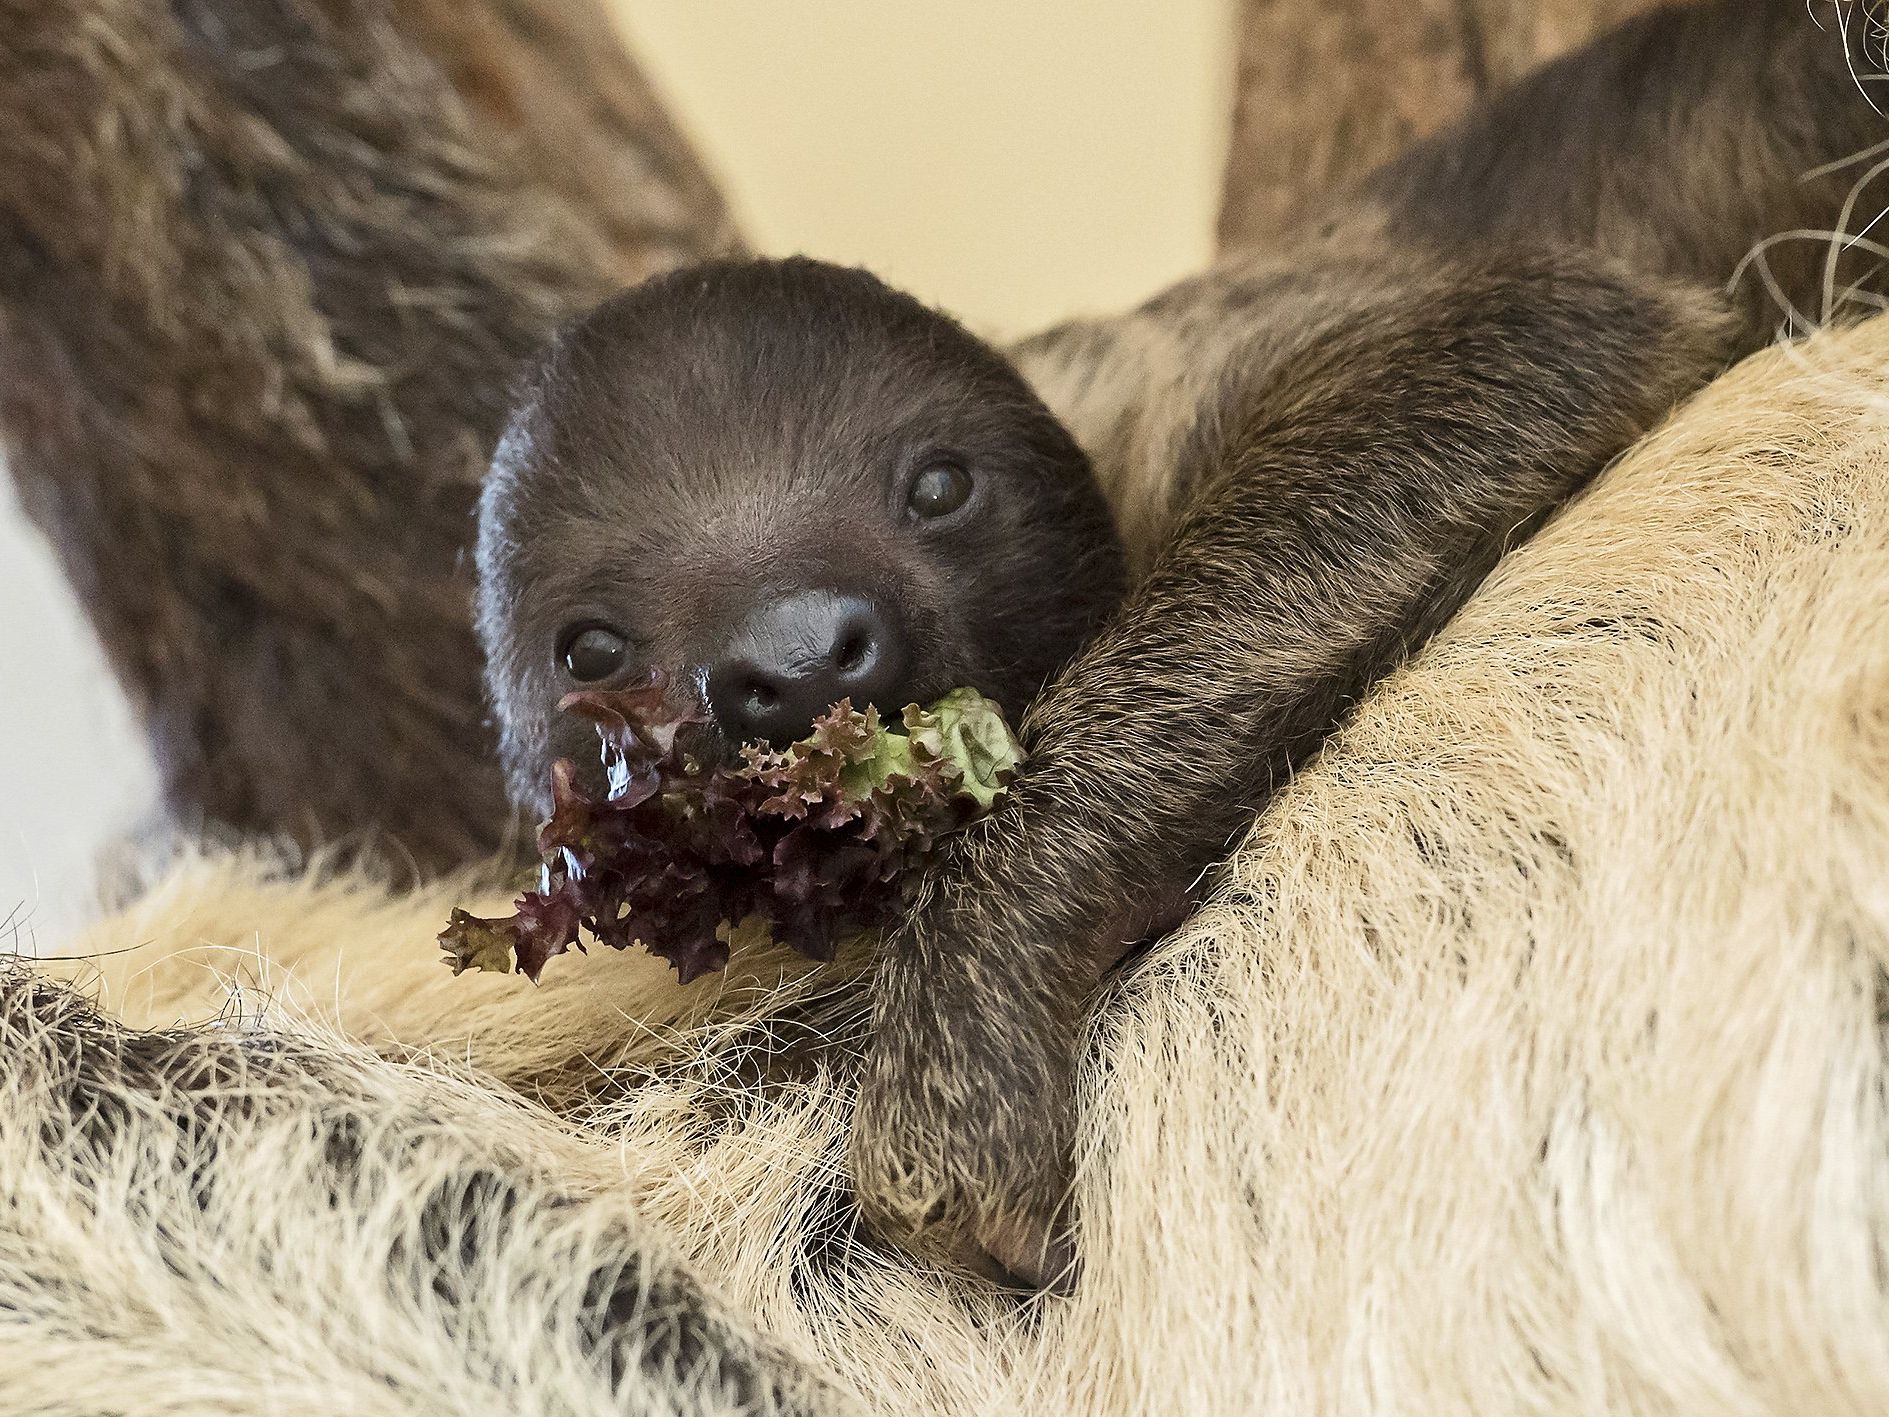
795, 658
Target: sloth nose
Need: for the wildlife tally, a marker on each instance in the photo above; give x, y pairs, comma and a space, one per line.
796, 657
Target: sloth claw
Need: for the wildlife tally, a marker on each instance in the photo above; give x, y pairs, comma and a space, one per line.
1009, 1256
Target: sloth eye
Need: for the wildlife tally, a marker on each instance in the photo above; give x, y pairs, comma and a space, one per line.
593, 652
939, 490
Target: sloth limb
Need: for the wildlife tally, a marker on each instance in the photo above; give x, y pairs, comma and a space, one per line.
1325, 93
1367, 422
1320, 546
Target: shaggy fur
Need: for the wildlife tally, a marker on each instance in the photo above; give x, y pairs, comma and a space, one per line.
266, 265
236, 1222
1529, 1057
1325, 93
267, 268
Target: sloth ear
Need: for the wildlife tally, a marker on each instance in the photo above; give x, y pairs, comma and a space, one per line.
1704, 142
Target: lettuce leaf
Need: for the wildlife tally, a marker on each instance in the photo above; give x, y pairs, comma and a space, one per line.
805, 844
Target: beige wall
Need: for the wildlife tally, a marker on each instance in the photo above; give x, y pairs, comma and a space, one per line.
1012, 160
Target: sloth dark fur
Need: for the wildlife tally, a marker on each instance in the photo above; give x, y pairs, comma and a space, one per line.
1312, 456
717, 466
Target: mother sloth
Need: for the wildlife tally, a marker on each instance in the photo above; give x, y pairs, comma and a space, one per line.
785, 483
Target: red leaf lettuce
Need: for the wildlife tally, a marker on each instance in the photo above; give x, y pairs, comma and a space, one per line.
810, 842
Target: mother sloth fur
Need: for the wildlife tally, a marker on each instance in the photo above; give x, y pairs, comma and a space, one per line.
1528, 1058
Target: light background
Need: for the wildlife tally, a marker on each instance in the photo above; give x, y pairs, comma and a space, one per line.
1015, 161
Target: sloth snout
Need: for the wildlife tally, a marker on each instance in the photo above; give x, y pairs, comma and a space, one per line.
797, 656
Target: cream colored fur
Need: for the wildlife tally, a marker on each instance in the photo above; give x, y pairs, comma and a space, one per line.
1529, 1058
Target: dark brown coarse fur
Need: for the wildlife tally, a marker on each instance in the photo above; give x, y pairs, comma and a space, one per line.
1313, 457
267, 269
1323, 94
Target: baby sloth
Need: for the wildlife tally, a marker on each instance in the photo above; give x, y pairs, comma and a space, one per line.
784, 483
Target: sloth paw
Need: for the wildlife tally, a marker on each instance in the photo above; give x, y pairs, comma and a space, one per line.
960, 1149
1012, 1230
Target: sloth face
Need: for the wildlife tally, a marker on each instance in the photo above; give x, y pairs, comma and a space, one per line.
780, 484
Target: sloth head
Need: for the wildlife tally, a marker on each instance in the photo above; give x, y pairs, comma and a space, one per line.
781, 484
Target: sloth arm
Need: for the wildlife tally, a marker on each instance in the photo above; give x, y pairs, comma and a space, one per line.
1367, 420
1361, 490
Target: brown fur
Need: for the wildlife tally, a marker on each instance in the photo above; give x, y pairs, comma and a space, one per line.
730, 436
1313, 456
266, 271
1219, 454
1324, 94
